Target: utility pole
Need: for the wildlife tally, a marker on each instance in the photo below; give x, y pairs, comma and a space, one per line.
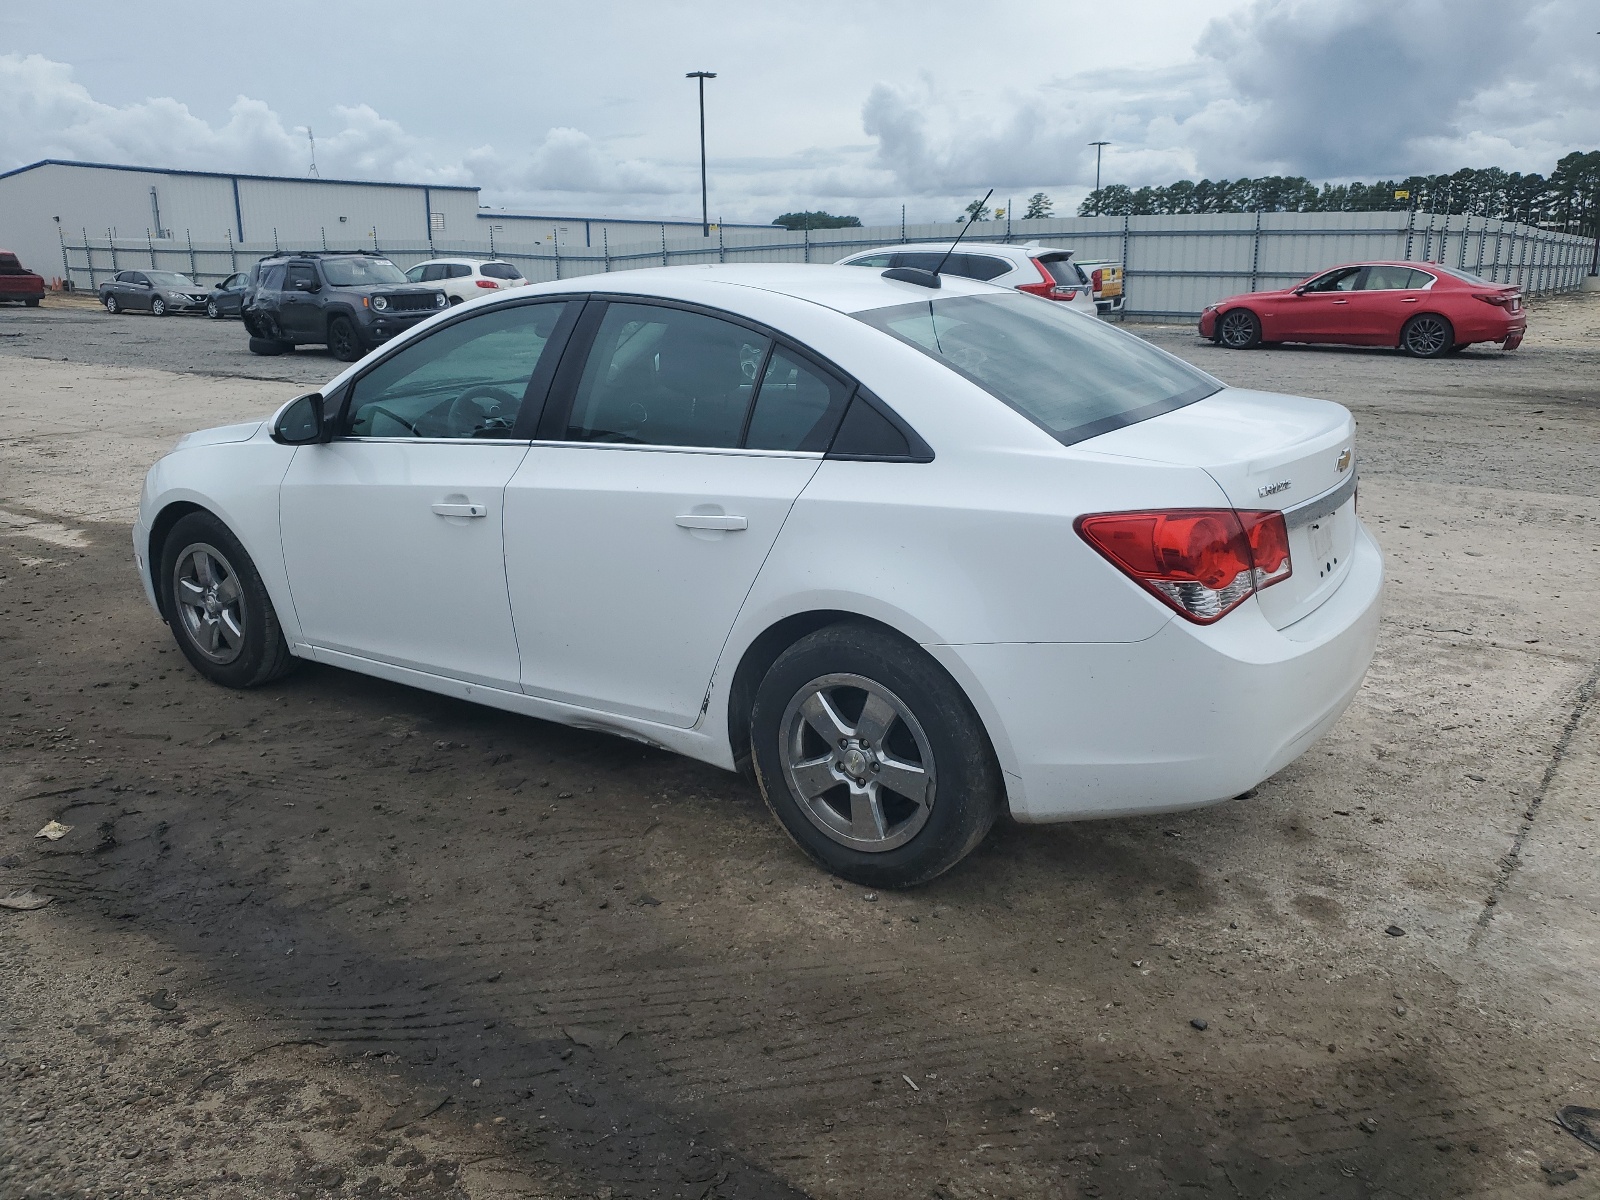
1098, 147
705, 211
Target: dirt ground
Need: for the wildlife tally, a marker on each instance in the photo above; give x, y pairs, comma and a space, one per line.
337, 937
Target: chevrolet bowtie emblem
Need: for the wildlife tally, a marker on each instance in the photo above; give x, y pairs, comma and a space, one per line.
1344, 460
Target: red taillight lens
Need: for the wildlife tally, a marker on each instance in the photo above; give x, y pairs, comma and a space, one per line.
1202, 562
487, 283
1507, 300
1096, 279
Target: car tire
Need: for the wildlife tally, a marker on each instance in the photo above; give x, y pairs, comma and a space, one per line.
455, 300
1427, 335
218, 608
343, 341
158, 307
33, 301
112, 306
266, 347
1239, 329
831, 793
213, 310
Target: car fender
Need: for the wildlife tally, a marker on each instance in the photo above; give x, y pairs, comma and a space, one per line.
341, 308
238, 483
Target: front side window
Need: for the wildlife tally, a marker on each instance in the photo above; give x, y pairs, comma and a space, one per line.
416, 273
361, 271
1073, 376
467, 380
300, 277
233, 283
1342, 280
666, 377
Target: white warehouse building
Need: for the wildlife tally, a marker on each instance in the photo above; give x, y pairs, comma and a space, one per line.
53, 203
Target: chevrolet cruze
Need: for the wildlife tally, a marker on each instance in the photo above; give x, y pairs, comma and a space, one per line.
910, 551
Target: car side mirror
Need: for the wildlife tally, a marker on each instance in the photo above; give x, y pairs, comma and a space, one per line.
301, 422
305, 285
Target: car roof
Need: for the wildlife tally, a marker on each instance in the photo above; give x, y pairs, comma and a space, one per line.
1020, 253
471, 262
843, 289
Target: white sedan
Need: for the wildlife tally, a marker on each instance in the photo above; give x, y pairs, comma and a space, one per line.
910, 555
464, 279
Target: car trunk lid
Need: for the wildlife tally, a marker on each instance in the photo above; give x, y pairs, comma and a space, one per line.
1267, 452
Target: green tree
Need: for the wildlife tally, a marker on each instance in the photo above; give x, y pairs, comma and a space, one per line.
976, 211
816, 220
1039, 207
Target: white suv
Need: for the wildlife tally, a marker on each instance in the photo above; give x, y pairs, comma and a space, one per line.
465, 279
1030, 268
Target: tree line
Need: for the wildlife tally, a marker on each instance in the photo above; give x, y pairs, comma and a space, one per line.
1567, 199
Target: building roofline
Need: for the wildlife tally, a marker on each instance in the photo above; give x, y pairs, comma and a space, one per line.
488, 214
67, 162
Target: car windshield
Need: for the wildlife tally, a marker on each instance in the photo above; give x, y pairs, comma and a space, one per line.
1065, 371
169, 279
361, 272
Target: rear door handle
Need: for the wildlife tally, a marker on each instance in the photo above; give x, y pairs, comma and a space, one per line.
461, 510
711, 521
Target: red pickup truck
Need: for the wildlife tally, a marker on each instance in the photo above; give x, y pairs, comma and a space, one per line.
17, 283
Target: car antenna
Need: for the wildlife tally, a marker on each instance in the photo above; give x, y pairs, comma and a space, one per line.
930, 279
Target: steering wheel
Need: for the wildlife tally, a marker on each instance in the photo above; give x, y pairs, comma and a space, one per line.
480, 418
395, 417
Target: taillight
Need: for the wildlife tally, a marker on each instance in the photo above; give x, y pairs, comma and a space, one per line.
487, 283
1507, 300
1202, 562
1096, 279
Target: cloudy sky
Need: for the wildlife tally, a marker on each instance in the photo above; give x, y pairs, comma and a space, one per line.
853, 107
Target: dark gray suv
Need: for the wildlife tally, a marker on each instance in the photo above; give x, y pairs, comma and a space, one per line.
348, 301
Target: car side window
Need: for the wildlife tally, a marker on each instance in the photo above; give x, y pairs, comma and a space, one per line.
233, 283
136, 278
920, 259
798, 406
272, 278
666, 377
1387, 279
871, 260
1342, 280
297, 274
416, 273
124, 276
499, 271
467, 380
981, 266
459, 271
1419, 279
432, 272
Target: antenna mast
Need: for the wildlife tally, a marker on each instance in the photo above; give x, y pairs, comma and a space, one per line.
313, 142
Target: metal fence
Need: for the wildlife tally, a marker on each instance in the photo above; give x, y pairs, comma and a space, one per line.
1175, 265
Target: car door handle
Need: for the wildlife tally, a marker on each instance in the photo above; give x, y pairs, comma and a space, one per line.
711, 521
1408, 299
1341, 302
461, 510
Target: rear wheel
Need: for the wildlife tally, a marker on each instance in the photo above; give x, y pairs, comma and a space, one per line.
1239, 329
343, 342
33, 301
454, 300
1427, 335
219, 610
112, 306
872, 758
265, 346
158, 307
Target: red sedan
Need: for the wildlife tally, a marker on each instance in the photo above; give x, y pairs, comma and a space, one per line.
1426, 309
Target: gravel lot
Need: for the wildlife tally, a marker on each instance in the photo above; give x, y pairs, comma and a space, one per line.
336, 937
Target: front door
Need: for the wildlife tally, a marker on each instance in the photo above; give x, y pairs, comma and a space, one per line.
635, 533
392, 532
1317, 312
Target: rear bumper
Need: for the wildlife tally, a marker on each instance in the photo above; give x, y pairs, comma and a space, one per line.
1191, 716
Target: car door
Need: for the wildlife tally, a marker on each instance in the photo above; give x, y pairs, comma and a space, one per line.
392, 531
643, 512
229, 294
298, 311
1386, 300
1316, 312
139, 293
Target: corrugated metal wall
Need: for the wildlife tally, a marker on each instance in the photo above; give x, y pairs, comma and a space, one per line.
1175, 264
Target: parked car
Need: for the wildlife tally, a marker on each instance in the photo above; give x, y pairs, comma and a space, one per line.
347, 300
1425, 309
466, 279
1105, 284
227, 298
17, 283
155, 292
910, 555
1031, 268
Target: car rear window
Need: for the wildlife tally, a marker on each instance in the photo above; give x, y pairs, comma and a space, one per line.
500, 271
1466, 276
1068, 373
1064, 270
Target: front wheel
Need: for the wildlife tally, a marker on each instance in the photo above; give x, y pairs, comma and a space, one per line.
213, 310
219, 610
1427, 335
112, 306
158, 307
872, 758
1239, 329
343, 342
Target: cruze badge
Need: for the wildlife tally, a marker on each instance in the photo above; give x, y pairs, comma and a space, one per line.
1272, 489
1344, 460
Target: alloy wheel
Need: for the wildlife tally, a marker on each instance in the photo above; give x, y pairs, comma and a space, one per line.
210, 602
857, 762
1427, 336
1238, 329
212, 310
111, 305
158, 307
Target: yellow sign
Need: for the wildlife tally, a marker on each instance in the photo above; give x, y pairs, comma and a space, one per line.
1402, 195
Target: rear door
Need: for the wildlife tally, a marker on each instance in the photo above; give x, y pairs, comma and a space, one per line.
641, 516
1387, 299
299, 312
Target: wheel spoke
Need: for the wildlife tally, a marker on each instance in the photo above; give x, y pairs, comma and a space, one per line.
814, 777
191, 593
877, 715
202, 568
232, 631
904, 779
228, 590
866, 814
213, 635
820, 714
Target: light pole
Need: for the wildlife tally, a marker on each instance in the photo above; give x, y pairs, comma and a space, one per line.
705, 212
1098, 147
